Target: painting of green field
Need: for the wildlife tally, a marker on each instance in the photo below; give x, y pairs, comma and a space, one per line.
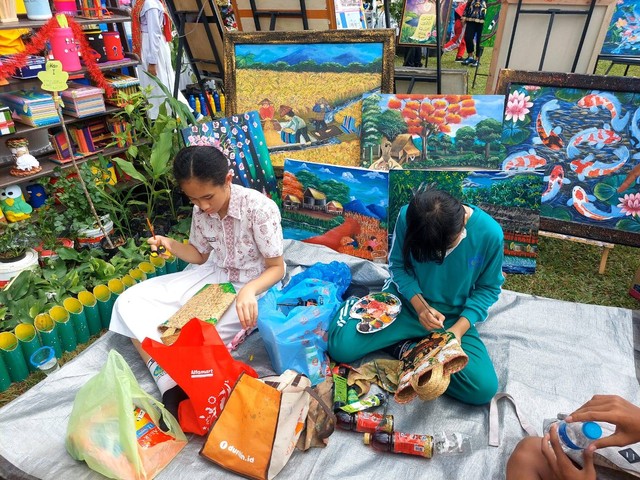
512, 199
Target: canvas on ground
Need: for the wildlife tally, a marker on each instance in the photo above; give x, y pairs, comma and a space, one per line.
512, 199
242, 141
342, 208
430, 131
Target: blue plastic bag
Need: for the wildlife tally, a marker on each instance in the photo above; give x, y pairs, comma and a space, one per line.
294, 323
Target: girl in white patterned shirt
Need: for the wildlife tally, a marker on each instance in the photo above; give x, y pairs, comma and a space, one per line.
236, 237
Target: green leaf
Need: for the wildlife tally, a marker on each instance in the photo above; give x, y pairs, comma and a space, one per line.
161, 154
128, 168
557, 213
604, 192
629, 225
514, 134
133, 151
129, 109
68, 254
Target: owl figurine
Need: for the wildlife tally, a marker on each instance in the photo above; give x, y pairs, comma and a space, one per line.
13, 204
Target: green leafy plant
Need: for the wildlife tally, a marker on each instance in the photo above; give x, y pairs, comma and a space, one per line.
150, 163
16, 238
22, 299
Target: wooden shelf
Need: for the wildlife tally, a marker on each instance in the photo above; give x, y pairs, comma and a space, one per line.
118, 16
47, 166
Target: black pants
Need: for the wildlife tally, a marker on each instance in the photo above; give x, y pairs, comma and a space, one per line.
473, 30
302, 133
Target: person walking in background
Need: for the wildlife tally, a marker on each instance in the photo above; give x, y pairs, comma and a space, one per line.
151, 35
473, 20
457, 41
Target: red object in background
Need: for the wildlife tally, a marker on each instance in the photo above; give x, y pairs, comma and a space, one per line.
112, 46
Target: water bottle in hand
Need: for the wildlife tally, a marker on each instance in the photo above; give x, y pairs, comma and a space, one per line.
578, 435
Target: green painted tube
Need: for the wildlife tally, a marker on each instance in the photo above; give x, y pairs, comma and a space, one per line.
148, 269
66, 330
46, 328
138, 275
13, 357
116, 286
105, 303
160, 264
78, 317
128, 281
5, 379
29, 341
171, 264
91, 312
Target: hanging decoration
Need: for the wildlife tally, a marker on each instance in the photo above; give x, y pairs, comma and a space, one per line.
38, 44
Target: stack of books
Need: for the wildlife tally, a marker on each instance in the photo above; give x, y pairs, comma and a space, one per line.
31, 107
6, 122
82, 100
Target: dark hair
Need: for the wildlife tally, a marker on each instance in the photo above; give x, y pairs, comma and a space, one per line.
434, 220
201, 162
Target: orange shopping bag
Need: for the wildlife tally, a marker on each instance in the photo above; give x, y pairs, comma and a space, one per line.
203, 367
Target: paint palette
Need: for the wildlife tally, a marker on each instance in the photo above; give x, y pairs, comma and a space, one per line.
375, 312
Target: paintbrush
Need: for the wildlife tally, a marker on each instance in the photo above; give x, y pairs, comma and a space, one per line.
161, 249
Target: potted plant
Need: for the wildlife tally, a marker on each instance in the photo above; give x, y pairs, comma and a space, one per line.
50, 228
15, 240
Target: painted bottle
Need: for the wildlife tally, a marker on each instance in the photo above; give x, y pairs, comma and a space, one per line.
339, 387
203, 105
364, 422
198, 105
216, 100
222, 102
444, 443
192, 103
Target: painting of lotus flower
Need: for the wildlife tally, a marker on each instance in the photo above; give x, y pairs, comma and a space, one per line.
623, 34
431, 131
581, 135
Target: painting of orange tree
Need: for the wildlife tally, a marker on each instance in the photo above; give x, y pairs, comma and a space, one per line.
307, 94
342, 208
427, 131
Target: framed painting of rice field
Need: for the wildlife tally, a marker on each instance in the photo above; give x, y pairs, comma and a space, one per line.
512, 199
581, 133
622, 38
418, 25
308, 86
432, 131
342, 208
241, 139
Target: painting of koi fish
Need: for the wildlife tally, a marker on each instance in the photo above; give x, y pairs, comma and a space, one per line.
635, 129
588, 168
583, 204
523, 161
608, 101
547, 135
556, 181
598, 137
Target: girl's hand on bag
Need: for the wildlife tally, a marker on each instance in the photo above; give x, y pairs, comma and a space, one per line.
247, 308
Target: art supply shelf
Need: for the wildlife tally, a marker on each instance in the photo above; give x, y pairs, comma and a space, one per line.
117, 16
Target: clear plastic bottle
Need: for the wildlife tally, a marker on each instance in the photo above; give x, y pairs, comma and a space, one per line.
578, 435
444, 443
365, 422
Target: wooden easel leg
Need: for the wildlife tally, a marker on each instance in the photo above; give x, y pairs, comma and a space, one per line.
603, 259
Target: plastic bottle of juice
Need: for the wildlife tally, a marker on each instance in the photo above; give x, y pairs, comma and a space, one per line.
364, 422
445, 443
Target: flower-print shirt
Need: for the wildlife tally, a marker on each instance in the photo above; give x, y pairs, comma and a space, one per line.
239, 243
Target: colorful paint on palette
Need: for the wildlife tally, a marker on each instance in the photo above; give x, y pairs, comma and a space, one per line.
585, 145
308, 93
342, 208
623, 34
511, 198
242, 141
457, 130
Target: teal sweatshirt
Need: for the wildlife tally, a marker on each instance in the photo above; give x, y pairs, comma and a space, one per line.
467, 283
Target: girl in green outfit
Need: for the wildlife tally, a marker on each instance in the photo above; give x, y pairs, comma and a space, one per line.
446, 268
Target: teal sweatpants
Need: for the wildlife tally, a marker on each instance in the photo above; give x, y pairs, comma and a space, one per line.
476, 384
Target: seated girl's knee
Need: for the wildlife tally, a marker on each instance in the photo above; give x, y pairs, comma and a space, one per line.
485, 390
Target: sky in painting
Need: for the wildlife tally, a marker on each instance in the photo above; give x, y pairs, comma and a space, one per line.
368, 186
342, 53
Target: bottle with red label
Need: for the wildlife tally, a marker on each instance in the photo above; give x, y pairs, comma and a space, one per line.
445, 443
366, 422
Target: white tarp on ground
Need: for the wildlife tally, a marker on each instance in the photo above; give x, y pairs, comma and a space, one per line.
551, 356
